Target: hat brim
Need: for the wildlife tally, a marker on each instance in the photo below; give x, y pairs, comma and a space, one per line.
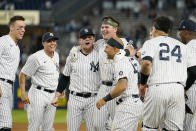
85, 35
53, 38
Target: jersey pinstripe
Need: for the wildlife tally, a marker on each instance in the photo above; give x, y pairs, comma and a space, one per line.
84, 78
106, 70
43, 69
170, 60
44, 72
9, 61
84, 73
190, 119
127, 67
129, 112
10, 56
165, 95
103, 118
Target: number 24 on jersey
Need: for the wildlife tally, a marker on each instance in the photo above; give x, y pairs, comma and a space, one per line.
175, 52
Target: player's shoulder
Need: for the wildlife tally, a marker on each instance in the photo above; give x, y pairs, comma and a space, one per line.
192, 43
124, 40
4, 39
121, 60
100, 41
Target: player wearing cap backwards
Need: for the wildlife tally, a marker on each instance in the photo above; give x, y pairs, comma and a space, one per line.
164, 70
84, 78
129, 109
43, 68
187, 32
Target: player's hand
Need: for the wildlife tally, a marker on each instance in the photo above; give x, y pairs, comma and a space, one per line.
25, 99
55, 101
131, 50
100, 103
142, 90
62, 95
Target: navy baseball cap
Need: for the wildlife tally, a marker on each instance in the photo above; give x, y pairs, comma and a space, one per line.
86, 31
188, 25
47, 36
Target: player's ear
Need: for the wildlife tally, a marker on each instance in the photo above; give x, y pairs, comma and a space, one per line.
79, 41
11, 27
43, 43
115, 29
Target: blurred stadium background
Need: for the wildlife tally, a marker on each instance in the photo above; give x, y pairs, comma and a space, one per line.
66, 17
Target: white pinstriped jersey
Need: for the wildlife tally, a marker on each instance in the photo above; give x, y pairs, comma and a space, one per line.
43, 70
84, 73
192, 46
171, 59
106, 70
9, 57
127, 67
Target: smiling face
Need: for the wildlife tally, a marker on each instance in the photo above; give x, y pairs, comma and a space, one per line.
86, 42
108, 31
50, 46
17, 30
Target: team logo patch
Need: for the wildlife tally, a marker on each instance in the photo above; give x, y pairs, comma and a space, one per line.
120, 73
51, 34
94, 67
86, 30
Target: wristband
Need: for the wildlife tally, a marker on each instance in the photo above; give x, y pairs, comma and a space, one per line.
107, 98
144, 78
127, 52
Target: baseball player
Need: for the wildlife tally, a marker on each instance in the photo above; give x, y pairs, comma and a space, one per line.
187, 33
43, 68
84, 77
9, 61
129, 109
164, 69
103, 118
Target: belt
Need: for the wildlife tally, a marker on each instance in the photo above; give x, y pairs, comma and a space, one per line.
85, 95
121, 100
46, 90
8, 81
107, 83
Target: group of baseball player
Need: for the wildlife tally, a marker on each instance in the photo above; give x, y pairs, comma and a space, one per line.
112, 87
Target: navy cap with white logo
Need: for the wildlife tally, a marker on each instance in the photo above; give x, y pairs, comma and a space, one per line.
48, 36
188, 25
85, 31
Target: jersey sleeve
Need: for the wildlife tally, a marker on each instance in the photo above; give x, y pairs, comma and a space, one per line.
31, 66
98, 44
1, 46
121, 70
67, 68
191, 53
148, 49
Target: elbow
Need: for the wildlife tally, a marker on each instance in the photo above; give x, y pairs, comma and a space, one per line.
146, 63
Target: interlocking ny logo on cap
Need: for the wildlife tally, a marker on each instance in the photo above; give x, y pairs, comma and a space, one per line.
51, 34
86, 30
183, 27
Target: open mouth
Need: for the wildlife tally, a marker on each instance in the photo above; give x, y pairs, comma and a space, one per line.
87, 43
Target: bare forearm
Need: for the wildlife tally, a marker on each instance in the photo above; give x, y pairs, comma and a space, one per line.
119, 89
22, 78
146, 67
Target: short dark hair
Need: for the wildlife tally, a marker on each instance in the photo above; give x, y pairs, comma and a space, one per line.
15, 18
163, 23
